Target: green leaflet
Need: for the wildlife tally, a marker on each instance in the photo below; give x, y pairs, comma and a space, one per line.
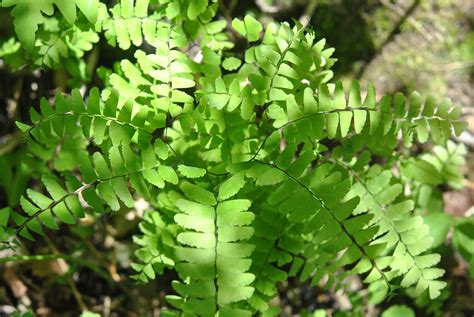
198, 193
231, 63
439, 224
196, 8
231, 186
249, 28
191, 171
398, 310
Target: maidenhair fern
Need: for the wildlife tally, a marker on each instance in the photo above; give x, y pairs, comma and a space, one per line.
28, 15
256, 166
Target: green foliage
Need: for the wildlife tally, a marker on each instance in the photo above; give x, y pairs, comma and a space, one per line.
212, 260
50, 38
127, 23
25, 314
256, 167
29, 14
249, 28
463, 239
443, 165
439, 224
156, 251
89, 314
398, 310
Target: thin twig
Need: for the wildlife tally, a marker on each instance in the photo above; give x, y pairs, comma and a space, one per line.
455, 66
396, 29
54, 256
72, 285
13, 110
469, 184
417, 25
308, 12
104, 262
226, 11
11, 142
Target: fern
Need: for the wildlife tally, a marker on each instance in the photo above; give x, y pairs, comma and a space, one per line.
29, 14
101, 121
334, 117
164, 74
213, 261
128, 22
441, 166
102, 178
231, 150
63, 45
398, 230
48, 40
284, 61
157, 245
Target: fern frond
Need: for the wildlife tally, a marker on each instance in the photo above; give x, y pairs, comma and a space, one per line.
100, 121
202, 133
42, 210
159, 81
129, 23
156, 247
71, 43
330, 116
307, 217
104, 181
398, 229
442, 165
287, 60
213, 261
30, 14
